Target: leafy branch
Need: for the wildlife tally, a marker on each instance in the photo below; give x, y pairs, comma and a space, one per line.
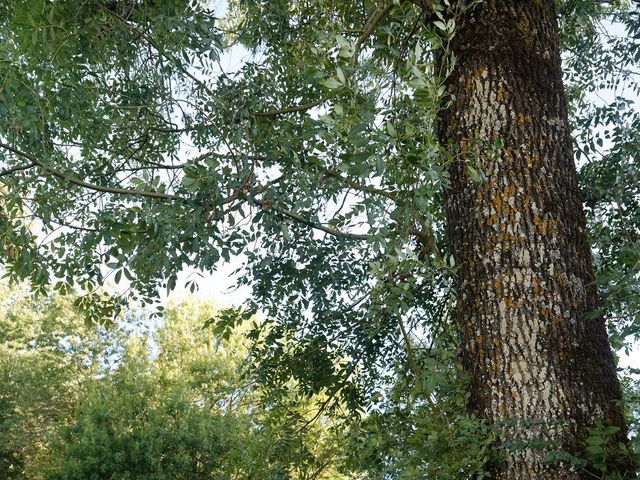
81, 183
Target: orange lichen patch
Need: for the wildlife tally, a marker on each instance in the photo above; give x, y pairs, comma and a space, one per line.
509, 153
557, 320
509, 190
523, 118
529, 161
497, 203
537, 221
551, 225
476, 74
545, 312
525, 29
544, 225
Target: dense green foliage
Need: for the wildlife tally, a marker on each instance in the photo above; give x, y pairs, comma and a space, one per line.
81, 402
138, 138
46, 353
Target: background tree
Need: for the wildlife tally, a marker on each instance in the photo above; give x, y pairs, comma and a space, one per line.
170, 402
47, 353
321, 148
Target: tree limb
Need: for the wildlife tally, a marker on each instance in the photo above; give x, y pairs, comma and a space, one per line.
17, 168
264, 204
293, 109
369, 29
81, 183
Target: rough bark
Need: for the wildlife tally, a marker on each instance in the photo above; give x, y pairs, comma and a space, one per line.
537, 361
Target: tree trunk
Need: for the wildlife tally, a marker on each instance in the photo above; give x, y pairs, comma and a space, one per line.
538, 363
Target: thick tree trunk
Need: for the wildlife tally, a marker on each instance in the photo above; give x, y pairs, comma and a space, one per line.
536, 359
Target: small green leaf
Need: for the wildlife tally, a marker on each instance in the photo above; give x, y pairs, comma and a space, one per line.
440, 25
595, 449
474, 174
188, 181
346, 51
595, 441
332, 83
391, 130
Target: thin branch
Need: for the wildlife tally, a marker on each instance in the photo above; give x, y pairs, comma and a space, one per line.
327, 171
358, 186
413, 366
264, 204
296, 108
335, 392
157, 47
366, 33
428, 240
370, 28
17, 168
81, 183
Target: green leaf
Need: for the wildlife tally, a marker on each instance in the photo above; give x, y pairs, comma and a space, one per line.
332, 83
441, 25
595, 449
474, 174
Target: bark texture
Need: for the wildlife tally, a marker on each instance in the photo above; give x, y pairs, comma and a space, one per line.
536, 360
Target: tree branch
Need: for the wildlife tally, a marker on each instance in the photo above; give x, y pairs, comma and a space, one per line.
370, 28
81, 183
413, 366
357, 186
17, 168
264, 204
157, 47
296, 108
426, 237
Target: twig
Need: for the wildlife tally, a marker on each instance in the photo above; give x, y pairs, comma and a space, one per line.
81, 183
369, 29
293, 109
17, 168
315, 225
